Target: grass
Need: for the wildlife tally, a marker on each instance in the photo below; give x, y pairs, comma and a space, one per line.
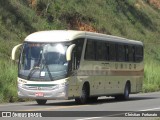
152, 77
133, 19
8, 81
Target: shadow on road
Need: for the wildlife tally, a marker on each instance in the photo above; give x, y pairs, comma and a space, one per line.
112, 100
101, 100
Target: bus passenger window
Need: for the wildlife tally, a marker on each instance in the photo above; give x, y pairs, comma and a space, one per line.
78, 51
131, 55
133, 50
100, 51
90, 50
126, 53
107, 52
112, 52
73, 60
138, 53
121, 53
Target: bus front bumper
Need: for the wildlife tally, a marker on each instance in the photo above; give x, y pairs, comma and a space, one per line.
58, 92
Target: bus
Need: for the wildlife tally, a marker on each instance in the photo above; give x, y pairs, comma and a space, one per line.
80, 65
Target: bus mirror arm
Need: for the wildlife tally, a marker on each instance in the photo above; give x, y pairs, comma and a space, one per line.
13, 56
69, 52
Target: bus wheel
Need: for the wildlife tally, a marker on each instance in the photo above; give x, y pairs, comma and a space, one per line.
84, 97
126, 91
125, 96
41, 102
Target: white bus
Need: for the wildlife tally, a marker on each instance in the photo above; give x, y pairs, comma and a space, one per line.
66, 64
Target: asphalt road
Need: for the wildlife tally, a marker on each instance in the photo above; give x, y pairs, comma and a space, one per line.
104, 108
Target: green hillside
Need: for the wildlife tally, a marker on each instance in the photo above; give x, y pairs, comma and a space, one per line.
133, 19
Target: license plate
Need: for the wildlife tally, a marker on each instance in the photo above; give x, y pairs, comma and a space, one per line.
39, 94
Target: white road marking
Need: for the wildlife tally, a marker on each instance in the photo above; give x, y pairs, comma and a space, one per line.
150, 109
89, 118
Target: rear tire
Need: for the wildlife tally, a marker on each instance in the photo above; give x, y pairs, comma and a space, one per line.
41, 102
125, 96
84, 97
126, 92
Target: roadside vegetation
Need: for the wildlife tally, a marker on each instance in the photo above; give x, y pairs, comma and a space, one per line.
133, 19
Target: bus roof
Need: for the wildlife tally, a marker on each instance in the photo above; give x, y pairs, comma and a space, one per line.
69, 35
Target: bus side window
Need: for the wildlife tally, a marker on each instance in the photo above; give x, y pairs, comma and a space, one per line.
100, 51
138, 53
90, 50
73, 60
107, 52
112, 51
131, 53
126, 53
121, 53
77, 53
79, 49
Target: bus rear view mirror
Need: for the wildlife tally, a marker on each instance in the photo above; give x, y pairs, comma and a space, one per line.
13, 56
69, 52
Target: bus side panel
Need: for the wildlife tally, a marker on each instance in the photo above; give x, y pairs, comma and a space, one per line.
73, 90
140, 77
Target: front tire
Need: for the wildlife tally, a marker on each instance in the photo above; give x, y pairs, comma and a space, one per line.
41, 102
84, 97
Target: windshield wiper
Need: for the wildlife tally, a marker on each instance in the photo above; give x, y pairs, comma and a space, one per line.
49, 73
32, 71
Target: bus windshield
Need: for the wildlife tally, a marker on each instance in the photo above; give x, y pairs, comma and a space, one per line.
43, 61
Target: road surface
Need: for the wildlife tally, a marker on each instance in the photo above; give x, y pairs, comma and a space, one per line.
137, 102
